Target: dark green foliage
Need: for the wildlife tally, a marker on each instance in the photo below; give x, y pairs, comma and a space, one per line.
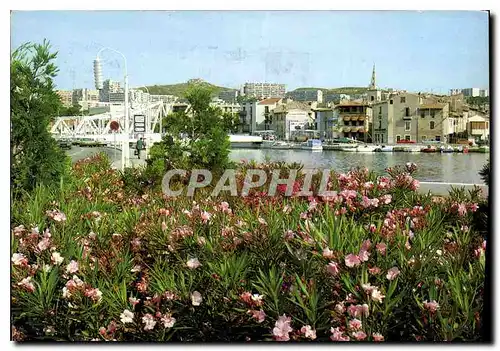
36, 157
485, 173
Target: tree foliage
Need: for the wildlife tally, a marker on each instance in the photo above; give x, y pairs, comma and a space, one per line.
195, 138
36, 157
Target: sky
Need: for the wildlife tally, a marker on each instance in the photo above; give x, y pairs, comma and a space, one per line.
416, 51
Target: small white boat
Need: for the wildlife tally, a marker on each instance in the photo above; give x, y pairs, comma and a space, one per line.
267, 144
366, 148
313, 145
385, 148
350, 149
281, 145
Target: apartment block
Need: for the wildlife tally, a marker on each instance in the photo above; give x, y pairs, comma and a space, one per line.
111, 92
264, 90
258, 115
470, 92
66, 97
291, 118
355, 119
305, 95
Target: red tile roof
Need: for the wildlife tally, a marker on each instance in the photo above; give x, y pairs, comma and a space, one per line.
270, 101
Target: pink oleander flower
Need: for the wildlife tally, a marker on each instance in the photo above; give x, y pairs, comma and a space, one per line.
167, 320
415, 184
44, 244
332, 268
308, 332
431, 306
246, 297
462, 209
377, 337
328, 254
352, 260
484, 245
303, 215
365, 202
368, 288
193, 263
27, 284
133, 301
473, 207
374, 270
282, 328
56, 215
338, 335
358, 310
149, 322
355, 324
72, 267
19, 259
366, 245
257, 299
260, 315
377, 295
205, 216
392, 273
359, 335
372, 228
56, 258
363, 255
196, 298
169, 295
381, 248
94, 294
127, 317
386, 199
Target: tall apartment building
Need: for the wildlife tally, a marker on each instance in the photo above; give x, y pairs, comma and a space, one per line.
111, 92
305, 95
257, 115
470, 92
66, 97
264, 90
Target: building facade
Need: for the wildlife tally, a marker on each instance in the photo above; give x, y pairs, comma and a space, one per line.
305, 95
66, 97
291, 118
229, 95
326, 121
264, 90
109, 90
258, 115
470, 92
355, 119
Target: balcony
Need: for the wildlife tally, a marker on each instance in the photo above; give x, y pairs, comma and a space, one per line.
407, 118
347, 118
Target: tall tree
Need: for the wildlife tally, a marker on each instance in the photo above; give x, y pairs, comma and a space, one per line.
35, 155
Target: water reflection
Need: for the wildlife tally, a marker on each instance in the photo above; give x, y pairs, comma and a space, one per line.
453, 168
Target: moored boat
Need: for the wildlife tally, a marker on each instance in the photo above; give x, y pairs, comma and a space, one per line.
429, 149
281, 145
447, 149
385, 148
366, 148
313, 145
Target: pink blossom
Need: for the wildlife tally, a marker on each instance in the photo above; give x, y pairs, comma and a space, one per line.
358, 310
352, 260
338, 335
167, 320
308, 332
19, 259
374, 270
289, 235
327, 253
193, 263
392, 273
303, 215
332, 268
374, 202
473, 207
134, 301
462, 209
431, 306
368, 288
363, 255
372, 228
359, 335
415, 184
386, 199
56, 258
381, 247
72, 267
205, 216
377, 295
56, 215
355, 324
282, 328
44, 244
365, 202
149, 322
260, 315
94, 294
366, 245
169, 295
340, 308
377, 337
27, 284
484, 245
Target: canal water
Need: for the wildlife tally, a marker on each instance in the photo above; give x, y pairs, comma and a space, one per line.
434, 167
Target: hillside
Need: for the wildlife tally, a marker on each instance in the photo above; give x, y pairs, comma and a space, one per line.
343, 90
180, 89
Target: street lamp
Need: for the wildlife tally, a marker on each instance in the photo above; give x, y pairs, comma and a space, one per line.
148, 122
99, 85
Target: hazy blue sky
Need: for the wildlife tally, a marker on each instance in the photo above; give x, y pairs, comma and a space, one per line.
417, 51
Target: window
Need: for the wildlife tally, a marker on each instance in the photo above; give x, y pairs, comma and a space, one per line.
398, 138
438, 137
379, 124
431, 125
380, 110
391, 102
407, 111
403, 100
408, 137
433, 113
266, 109
422, 114
407, 126
372, 98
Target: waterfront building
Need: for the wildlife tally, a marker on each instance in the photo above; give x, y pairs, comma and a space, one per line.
291, 118
306, 95
478, 126
326, 122
434, 122
264, 90
355, 119
66, 97
257, 115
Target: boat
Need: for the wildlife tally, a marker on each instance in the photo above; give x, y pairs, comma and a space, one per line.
385, 148
366, 148
350, 149
481, 149
313, 145
267, 144
281, 145
399, 149
447, 149
429, 149
412, 149
239, 141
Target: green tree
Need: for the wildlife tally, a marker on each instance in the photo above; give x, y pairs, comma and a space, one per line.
195, 138
36, 157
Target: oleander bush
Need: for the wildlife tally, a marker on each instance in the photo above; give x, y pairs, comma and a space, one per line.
101, 259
